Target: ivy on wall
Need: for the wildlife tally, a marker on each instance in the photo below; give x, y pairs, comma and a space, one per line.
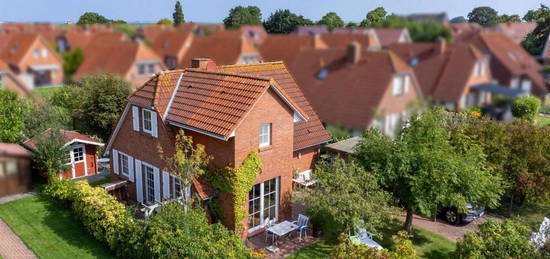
238, 182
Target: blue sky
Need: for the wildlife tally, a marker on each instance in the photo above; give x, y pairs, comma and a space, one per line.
216, 10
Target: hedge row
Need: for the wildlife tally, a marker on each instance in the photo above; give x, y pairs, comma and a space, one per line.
172, 233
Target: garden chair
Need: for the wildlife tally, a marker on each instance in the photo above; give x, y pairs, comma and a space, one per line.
304, 179
267, 224
302, 225
364, 237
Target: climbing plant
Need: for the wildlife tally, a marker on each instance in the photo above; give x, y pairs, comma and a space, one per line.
238, 182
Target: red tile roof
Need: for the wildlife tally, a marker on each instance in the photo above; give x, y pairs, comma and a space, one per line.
286, 47
343, 40
69, 136
387, 36
516, 31
350, 93
306, 134
9, 149
171, 43
17, 46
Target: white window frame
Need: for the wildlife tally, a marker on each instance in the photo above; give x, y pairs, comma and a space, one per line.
74, 157
145, 168
124, 167
479, 69
399, 86
139, 71
144, 120
265, 134
261, 200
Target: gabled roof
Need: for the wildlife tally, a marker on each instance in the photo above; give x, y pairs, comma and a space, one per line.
287, 47
341, 40
69, 136
387, 36
17, 46
306, 133
516, 31
350, 93
170, 42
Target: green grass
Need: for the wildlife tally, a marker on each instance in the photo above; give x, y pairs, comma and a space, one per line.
100, 182
50, 230
530, 214
426, 243
543, 121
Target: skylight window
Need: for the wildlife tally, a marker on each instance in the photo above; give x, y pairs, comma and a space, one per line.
323, 73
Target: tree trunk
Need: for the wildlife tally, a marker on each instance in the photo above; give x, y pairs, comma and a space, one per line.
408, 221
511, 205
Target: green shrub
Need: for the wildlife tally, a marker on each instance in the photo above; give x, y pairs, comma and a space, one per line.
62, 190
526, 107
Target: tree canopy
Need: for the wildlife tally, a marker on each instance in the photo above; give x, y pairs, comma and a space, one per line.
536, 15
178, 14
420, 31
458, 19
165, 21
484, 16
12, 116
50, 153
534, 42
92, 18
284, 21
427, 166
332, 21
240, 15
71, 61
374, 17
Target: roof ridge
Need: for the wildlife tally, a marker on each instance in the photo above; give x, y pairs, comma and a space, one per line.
218, 72
247, 65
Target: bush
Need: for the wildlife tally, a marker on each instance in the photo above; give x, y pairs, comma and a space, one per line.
526, 107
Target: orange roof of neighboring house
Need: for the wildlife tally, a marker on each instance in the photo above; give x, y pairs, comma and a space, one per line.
350, 93
516, 31
287, 47
464, 31
114, 57
512, 56
18, 45
171, 42
387, 36
341, 40
306, 133
151, 32
224, 48
69, 137
10, 149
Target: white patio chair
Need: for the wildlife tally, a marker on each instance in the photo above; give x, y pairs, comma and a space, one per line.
302, 225
267, 224
365, 238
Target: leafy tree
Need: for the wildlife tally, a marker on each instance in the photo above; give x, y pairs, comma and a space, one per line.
484, 16
187, 162
240, 15
42, 116
352, 25
534, 42
12, 116
526, 107
509, 18
92, 18
459, 19
71, 61
51, 154
94, 102
339, 183
420, 31
338, 133
284, 21
375, 16
506, 239
332, 21
119, 22
427, 167
536, 15
178, 14
165, 21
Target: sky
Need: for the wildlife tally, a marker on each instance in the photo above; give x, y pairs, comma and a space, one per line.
213, 11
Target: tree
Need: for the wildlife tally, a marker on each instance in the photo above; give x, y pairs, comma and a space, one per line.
526, 107
373, 17
496, 240
284, 21
187, 162
71, 61
420, 31
51, 154
94, 102
484, 16
178, 14
509, 18
536, 15
427, 167
352, 25
332, 21
165, 21
12, 115
534, 42
240, 15
458, 19
338, 133
92, 18
42, 116
340, 182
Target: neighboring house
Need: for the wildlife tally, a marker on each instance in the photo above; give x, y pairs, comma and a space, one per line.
357, 89
255, 34
310, 30
448, 73
9, 81
226, 47
340, 40
515, 31
172, 46
362, 31
82, 153
15, 169
387, 36
151, 32
442, 18
464, 31
546, 50
510, 64
133, 61
283, 47
32, 59
242, 109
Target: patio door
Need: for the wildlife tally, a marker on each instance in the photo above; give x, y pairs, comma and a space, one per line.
263, 202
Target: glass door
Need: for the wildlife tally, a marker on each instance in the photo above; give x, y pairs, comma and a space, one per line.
263, 202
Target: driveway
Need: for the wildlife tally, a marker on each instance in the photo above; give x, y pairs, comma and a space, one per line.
451, 232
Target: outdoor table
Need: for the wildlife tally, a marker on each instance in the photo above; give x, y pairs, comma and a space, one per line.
282, 229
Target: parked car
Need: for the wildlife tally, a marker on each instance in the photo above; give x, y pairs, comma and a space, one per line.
454, 217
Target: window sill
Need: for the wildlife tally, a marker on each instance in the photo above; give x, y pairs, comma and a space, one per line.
266, 148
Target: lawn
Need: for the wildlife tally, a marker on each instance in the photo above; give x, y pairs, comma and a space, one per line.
50, 230
543, 121
530, 214
426, 243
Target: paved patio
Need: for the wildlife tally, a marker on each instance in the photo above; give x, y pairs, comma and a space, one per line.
11, 245
287, 245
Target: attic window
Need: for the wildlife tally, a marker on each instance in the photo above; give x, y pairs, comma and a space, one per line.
323, 73
414, 61
36, 53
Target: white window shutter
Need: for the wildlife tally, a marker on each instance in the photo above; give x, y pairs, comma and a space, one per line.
139, 182
115, 161
154, 125
157, 184
135, 116
166, 185
407, 82
131, 168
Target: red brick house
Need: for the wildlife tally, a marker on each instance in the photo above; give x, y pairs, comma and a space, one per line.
357, 89
83, 153
15, 169
232, 111
8, 81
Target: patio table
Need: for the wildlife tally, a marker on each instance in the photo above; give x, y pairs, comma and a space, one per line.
282, 229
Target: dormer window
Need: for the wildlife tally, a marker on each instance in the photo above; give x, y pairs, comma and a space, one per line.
479, 69
400, 85
36, 53
44, 53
